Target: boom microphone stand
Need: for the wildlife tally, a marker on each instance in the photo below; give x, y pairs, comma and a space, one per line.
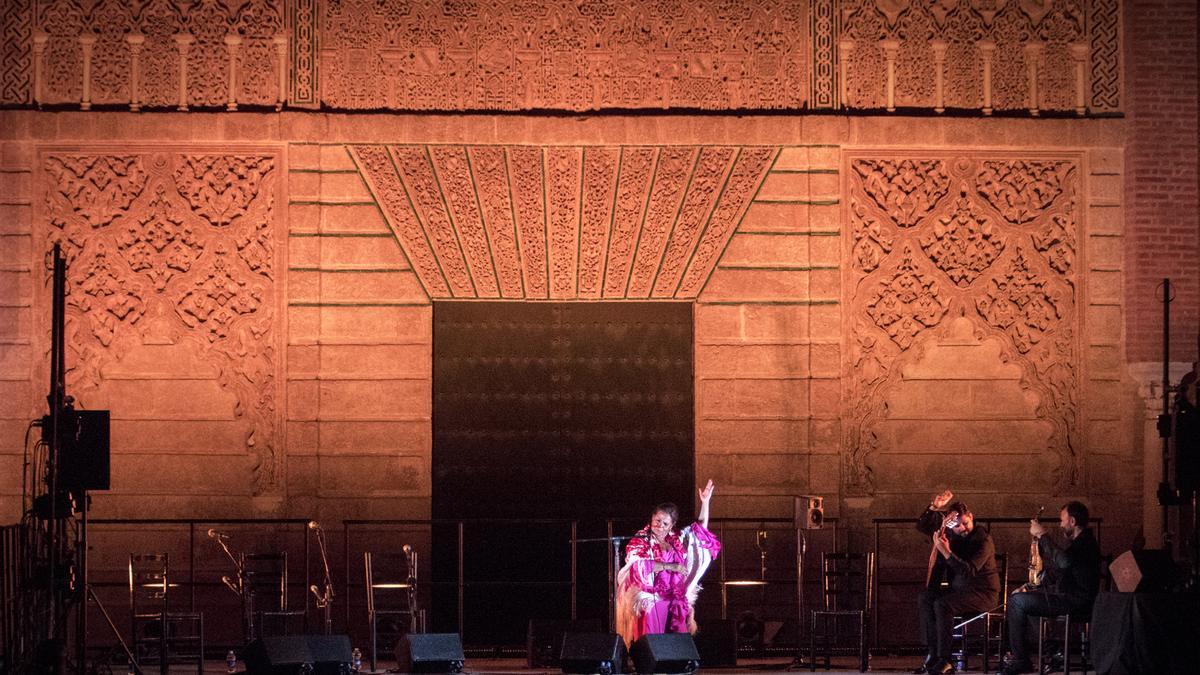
324, 596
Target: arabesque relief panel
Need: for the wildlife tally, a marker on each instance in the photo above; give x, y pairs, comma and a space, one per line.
172, 308
968, 252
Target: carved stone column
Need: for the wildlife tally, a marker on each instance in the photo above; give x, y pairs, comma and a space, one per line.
891, 48
845, 49
87, 42
136, 42
597, 69
233, 43
1033, 58
527, 60
39, 51
987, 50
1079, 54
939, 47
281, 48
183, 42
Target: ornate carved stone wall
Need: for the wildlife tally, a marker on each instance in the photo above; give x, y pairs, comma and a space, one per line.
563, 222
941, 237
868, 309
172, 308
980, 55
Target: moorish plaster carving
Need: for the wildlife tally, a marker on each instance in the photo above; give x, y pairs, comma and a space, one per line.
998, 250
185, 236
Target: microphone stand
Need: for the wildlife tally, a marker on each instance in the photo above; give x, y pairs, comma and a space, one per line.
615, 566
239, 588
324, 597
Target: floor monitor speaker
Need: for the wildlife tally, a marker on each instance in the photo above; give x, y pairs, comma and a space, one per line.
288, 654
430, 653
544, 640
665, 653
716, 642
602, 653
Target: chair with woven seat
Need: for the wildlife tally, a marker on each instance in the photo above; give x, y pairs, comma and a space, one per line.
391, 587
847, 599
987, 627
160, 633
1077, 621
265, 597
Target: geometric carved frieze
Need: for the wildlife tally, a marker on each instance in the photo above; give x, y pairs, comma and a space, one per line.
16, 52
563, 222
429, 55
1000, 254
172, 246
979, 55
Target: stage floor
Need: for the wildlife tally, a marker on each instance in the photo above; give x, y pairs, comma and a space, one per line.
492, 666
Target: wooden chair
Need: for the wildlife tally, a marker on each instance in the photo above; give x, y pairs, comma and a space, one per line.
1080, 622
160, 634
265, 600
988, 628
847, 599
392, 608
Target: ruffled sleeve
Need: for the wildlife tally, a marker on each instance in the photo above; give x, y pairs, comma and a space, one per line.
702, 548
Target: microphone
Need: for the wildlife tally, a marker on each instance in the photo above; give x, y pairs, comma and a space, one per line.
213, 534
407, 549
314, 525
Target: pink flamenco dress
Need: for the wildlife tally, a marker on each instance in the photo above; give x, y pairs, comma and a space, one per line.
662, 602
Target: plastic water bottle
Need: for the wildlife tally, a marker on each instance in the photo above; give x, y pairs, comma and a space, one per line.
356, 660
231, 661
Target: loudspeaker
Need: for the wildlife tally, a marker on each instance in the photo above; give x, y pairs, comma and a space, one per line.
83, 461
665, 653
287, 654
716, 642
1146, 571
544, 641
430, 653
592, 653
809, 513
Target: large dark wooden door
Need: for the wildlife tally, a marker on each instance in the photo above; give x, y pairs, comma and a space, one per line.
553, 411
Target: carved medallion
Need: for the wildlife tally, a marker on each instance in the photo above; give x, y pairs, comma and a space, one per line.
906, 302
220, 187
1021, 189
963, 244
907, 190
1018, 303
98, 187
159, 242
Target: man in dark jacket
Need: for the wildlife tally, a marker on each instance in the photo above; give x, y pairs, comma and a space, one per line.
1072, 580
961, 579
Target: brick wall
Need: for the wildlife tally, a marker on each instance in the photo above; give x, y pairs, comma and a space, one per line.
1161, 160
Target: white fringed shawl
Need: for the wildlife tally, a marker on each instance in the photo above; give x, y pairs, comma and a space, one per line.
632, 601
